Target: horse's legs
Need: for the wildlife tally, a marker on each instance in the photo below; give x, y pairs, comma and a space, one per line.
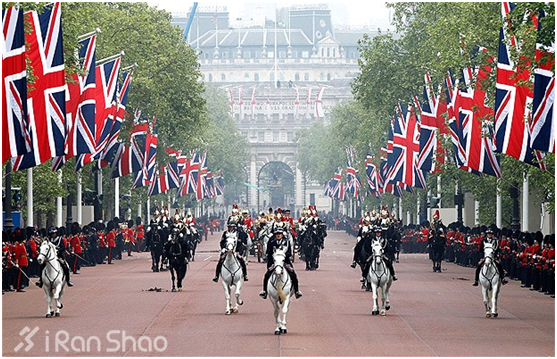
485, 294
56, 298
226, 297
374, 289
48, 293
173, 277
277, 316
494, 296
285, 305
239, 301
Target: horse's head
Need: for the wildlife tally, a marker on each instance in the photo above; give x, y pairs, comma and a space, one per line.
279, 256
46, 251
377, 249
175, 235
230, 241
489, 251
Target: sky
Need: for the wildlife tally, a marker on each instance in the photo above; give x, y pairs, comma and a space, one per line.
352, 12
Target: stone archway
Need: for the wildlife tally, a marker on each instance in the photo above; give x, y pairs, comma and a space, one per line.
277, 185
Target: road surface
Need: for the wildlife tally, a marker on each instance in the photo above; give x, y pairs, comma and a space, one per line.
110, 312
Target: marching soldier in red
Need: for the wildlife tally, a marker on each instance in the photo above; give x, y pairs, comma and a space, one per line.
110, 239
139, 233
34, 243
129, 237
102, 249
76, 248
20, 260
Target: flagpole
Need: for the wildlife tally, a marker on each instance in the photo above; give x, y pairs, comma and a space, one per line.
499, 206
117, 197
106, 59
59, 204
30, 209
79, 197
89, 34
525, 202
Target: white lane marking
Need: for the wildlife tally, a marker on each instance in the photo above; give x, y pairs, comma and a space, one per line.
207, 258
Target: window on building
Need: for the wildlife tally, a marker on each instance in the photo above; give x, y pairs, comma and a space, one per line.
290, 136
306, 76
260, 136
321, 77
256, 77
224, 54
210, 77
247, 55
275, 136
246, 76
312, 199
328, 77
297, 77
222, 77
231, 77
328, 52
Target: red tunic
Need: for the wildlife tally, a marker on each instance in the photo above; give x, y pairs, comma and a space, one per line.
20, 255
111, 239
140, 232
76, 245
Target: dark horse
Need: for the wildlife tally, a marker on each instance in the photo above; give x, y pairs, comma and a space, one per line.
312, 242
437, 242
176, 250
192, 239
155, 244
363, 256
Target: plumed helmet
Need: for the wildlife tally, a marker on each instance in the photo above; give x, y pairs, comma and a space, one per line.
52, 230
278, 229
436, 214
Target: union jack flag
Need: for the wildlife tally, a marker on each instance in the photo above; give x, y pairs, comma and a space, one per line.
159, 183
432, 124
308, 103
372, 177
406, 148
319, 103
210, 191
173, 175
143, 177
15, 136
80, 106
47, 100
189, 175
130, 158
335, 184
219, 184
542, 127
202, 178
475, 139
107, 85
109, 152
253, 103
512, 116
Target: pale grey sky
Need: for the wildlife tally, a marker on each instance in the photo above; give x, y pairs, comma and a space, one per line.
358, 12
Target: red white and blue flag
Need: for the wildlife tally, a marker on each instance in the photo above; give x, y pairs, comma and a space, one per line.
80, 106
513, 99
372, 177
46, 101
15, 135
159, 182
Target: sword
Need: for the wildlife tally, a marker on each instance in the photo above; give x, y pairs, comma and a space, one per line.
80, 257
21, 270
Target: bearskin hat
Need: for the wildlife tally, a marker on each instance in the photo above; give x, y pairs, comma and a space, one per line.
75, 228
18, 235
62, 231
130, 223
538, 236
138, 221
29, 231
110, 226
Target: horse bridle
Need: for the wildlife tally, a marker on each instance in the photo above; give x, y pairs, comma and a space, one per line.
277, 278
47, 262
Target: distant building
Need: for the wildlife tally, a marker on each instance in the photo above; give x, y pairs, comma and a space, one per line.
281, 76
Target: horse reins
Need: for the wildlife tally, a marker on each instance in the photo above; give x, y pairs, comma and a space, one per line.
48, 263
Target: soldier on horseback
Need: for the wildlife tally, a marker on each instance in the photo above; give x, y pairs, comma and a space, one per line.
58, 242
366, 246
489, 238
278, 240
239, 249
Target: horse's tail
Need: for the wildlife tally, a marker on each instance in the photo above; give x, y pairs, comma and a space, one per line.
280, 292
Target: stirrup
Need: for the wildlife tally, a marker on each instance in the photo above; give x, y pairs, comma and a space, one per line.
475, 284
70, 283
298, 294
263, 294
216, 279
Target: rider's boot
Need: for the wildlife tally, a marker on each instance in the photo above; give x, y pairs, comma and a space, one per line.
244, 268
477, 276
217, 272
294, 279
391, 268
500, 269
353, 265
66, 269
263, 293
40, 281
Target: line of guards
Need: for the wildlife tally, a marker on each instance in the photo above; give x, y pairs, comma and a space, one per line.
525, 257
95, 243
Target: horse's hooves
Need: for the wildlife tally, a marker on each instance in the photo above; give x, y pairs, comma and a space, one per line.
173, 289
383, 313
228, 312
57, 314
60, 306
277, 332
488, 315
388, 307
495, 315
241, 302
179, 289
375, 312
235, 310
283, 331
49, 315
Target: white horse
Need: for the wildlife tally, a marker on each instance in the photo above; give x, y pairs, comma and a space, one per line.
490, 279
232, 274
279, 288
53, 278
380, 277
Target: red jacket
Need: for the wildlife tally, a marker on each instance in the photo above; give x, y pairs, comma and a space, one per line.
111, 239
20, 255
76, 245
140, 232
34, 249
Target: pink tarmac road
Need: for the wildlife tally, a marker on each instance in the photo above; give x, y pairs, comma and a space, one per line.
432, 314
